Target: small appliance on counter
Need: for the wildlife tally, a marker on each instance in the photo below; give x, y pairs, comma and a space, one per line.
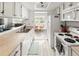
64, 29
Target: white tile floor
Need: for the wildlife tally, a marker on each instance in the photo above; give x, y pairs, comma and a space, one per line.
40, 46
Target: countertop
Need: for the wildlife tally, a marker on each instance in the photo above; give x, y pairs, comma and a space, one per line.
9, 40
13, 29
75, 49
9, 43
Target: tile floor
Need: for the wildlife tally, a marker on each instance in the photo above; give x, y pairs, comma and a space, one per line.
40, 46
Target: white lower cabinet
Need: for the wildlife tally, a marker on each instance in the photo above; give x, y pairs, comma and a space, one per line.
23, 48
26, 47
27, 43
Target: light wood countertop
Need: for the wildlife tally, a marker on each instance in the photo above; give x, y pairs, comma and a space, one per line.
9, 42
75, 49
13, 29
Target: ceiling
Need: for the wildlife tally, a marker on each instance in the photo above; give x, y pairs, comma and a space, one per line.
41, 6
29, 5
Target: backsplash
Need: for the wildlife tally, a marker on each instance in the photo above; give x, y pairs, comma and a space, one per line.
73, 24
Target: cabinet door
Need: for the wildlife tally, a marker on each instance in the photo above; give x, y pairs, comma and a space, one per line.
69, 4
25, 47
77, 14
1, 8
27, 43
24, 12
9, 9
18, 10
69, 16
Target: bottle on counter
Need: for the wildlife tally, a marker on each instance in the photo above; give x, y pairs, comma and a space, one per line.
64, 28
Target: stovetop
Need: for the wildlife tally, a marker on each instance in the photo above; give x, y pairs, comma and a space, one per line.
68, 35
65, 34
61, 34
68, 38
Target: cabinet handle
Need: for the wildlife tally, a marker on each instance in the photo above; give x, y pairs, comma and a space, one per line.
3, 9
15, 53
2, 12
77, 10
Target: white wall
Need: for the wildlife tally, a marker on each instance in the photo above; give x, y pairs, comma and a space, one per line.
73, 24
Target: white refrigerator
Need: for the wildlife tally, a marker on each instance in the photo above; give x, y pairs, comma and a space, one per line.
53, 27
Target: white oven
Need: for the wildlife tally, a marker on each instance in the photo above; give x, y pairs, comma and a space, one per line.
61, 49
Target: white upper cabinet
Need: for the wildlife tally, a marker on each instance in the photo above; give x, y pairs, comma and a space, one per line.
77, 13
25, 12
69, 4
18, 9
9, 9
70, 11
14, 9
69, 16
1, 8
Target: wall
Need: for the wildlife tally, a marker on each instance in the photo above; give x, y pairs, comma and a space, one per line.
73, 24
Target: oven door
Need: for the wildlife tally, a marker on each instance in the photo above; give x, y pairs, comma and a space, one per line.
67, 50
61, 49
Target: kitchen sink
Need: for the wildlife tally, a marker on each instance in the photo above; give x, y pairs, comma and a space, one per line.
24, 31
27, 30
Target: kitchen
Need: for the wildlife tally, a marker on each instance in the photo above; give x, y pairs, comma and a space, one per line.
39, 29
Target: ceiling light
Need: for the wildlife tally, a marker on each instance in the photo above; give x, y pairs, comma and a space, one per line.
42, 5
41, 2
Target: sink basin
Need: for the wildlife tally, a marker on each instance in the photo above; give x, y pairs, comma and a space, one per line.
24, 31
27, 30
